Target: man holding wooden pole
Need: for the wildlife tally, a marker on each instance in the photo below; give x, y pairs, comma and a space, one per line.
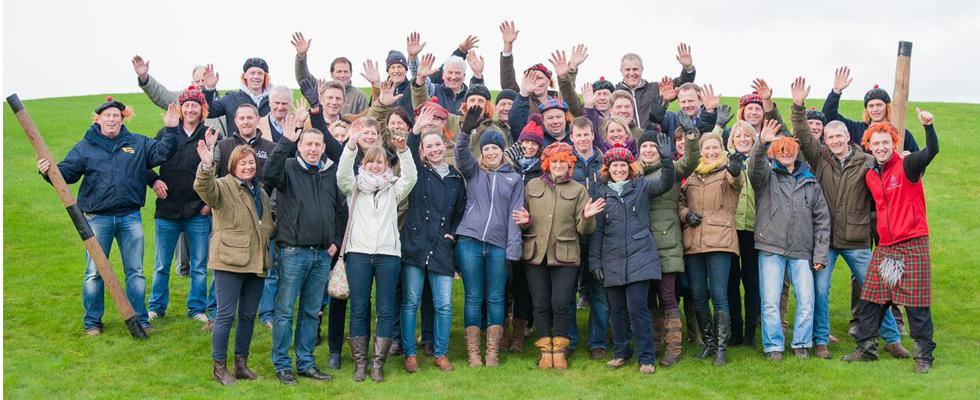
113, 162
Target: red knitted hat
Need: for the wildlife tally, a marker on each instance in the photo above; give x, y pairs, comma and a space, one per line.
618, 153
540, 68
533, 131
191, 94
749, 99
433, 102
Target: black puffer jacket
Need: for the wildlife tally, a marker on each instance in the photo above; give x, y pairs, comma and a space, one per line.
178, 173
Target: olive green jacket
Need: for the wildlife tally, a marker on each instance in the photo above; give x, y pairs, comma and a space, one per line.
556, 222
664, 222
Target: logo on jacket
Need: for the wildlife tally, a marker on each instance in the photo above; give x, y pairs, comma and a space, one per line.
893, 182
127, 149
261, 154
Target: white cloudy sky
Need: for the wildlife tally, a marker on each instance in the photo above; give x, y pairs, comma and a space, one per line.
62, 48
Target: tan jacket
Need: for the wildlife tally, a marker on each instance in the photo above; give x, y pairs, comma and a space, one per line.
715, 197
556, 222
239, 239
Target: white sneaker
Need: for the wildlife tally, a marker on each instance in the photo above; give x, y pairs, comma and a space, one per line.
152, 315
201, 317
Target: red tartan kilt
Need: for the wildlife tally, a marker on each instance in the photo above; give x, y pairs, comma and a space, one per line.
915, 287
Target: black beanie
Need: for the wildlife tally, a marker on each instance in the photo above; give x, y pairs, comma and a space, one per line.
255, 62
647, 136
509, 94
812, 113
877, 93
478, 89
601, 84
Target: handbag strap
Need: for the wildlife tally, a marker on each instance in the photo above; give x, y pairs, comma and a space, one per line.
350, 219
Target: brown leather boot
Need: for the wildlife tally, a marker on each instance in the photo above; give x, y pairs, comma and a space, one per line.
411, 364
241, 368
519, 327
674, 344
821, 351
444, 364
358, 353
505, 338
221, 374
558, 346
382, 346
494, 335
544, 345
897, 350
472, 335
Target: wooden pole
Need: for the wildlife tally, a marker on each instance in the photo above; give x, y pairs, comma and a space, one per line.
78, 219
900, 96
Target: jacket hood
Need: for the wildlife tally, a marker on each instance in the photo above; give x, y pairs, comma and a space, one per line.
801, 171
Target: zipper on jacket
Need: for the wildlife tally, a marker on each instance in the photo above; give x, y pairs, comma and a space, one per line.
493, 189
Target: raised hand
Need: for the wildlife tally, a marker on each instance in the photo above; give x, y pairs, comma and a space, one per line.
684, 56
469, 43
301, 44
387, 96
521, 216
724, 115
560, 63
667, 90
769, 130
160, 188
761, 87
842, 79
925, 117
593, 208
301, 111
588, 95
735, 164
205, 147
172, 118
291, 129
399, 143
142, 67
472, 119
527, 83
476, 63
800, 90
687, 124
509, 33
665, 148
371, 72
355, 132
426, 67
210, 77
424, 118
310, 88
709, 99
414, 45
580, 53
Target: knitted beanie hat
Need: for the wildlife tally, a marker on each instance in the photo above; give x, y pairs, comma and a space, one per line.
532, 130
255, 62
877, 93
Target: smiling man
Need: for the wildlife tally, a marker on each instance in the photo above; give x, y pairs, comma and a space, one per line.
254, 91
877, 108
246, 132
647, 94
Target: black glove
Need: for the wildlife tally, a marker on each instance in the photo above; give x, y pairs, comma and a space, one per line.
724, 115
472, 119
693, 219
735, 164
665, 147
308, 87
597, 273
687, 124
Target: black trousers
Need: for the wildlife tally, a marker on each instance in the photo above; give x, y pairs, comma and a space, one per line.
869, 318
856, 301
520, 291
745, 271
553, 294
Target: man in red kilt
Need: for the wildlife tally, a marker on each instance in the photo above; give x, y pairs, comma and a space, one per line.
900, 271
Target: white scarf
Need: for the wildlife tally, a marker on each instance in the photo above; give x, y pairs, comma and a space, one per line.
256, 98
370, 183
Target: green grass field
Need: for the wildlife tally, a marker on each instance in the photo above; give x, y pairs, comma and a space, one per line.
46, 354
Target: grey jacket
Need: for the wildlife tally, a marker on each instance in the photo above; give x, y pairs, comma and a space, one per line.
161, 96
491, 196
792, 218
354, 100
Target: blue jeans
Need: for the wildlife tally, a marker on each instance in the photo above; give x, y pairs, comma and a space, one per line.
267, 306
198, 232
772, 268
708, 273
858, 261
413, 279
128, 232
483, 267
362, 271
303, 274
598, 307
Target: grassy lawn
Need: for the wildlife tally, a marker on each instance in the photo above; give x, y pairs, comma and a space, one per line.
46, 354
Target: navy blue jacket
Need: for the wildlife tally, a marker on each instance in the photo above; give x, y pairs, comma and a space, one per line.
857, 128
114, 170
228, 104
435, 208
622, 244
586, 172
519, 114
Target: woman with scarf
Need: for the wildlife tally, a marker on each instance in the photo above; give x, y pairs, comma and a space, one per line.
707, 206
373, 247
557, 210
745, 267
623, 254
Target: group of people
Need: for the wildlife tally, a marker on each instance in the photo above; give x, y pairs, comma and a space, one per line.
532, 197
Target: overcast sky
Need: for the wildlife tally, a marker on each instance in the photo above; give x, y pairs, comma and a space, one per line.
63, 48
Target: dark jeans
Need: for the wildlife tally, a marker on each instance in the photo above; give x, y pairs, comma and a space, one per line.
303, 275
336, 319
745, 270
709, 270
871, 314
553, 294
234, 292
362, 271
631, 319
523, 306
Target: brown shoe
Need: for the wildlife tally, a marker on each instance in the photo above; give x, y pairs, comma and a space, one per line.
241, 369
616, 363
519, 327
95, 331
774, 356
897, 350
558, 347
444, 364
821, 351
495, 333
802, 353
866, 351
598, 354
647, 369
472, 335
411, 364
922, 367
221, 375
544, 344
